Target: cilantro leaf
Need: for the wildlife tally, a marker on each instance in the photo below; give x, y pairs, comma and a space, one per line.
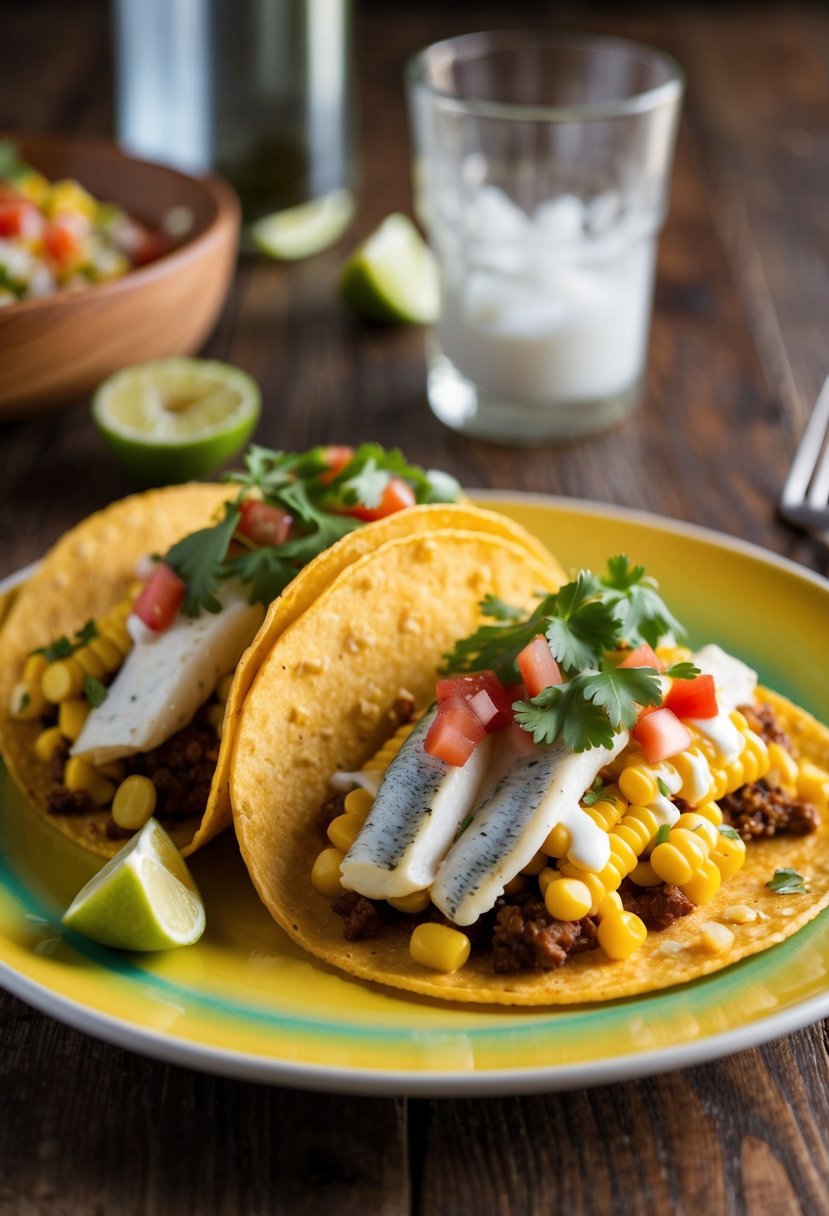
787, 881
199, 559
578, 638
494, 607
663, 833
643, 614
269, 569
662, 787
683, 671
596, 793
730, 833
586, 725
366, 486
496, 647
62, 647
94, 691
620, 692
543, 715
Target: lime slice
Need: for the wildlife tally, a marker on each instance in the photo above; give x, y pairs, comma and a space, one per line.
176, 418
393, 276
300, 232
144, 898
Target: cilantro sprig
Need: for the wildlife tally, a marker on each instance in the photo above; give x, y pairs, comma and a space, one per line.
299, 483
63, 647
586, 623
787, 881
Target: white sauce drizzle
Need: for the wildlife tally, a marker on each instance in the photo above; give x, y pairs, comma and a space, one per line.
722, 734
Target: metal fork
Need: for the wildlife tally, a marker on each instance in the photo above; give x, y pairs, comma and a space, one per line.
805, 497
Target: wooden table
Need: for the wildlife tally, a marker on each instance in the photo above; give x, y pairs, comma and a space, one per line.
738, 352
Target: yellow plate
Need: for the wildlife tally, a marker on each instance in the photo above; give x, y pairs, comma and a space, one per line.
248, 1003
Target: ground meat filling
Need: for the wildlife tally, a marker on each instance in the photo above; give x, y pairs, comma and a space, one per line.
333, 806
658, 907
763, 721
756, 811
527, 938
181, 770
362, 917
61, 801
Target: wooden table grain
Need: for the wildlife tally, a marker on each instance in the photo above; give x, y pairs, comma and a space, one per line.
739, 349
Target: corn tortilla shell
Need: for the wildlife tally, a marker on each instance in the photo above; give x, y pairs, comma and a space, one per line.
88, 570
301, 722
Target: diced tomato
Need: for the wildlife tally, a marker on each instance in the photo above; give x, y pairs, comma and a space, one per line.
537, 666
643, 656
695, 698
486, 695
336, 456
18, 217
262, 524
160, 598
660, 734
455, 732
60, 242
397, 495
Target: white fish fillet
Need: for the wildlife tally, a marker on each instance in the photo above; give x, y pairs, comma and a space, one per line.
166, 679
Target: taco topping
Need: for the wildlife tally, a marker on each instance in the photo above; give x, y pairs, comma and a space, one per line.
609, 793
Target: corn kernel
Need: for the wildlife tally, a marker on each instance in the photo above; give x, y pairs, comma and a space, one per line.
223, 687
704, 885
72, 715
715, 938
644, 875
79, 774
558, 842
418, 901
215, 716
568, 899
90, 662
343, 831
34, 668
637, 785
514, 885
678, 859
46, 743
325, 873
134, 802
69, 196
116, 632
813, 785
358, 803
740, 914
106, 650
545, 878
439, 947
63, 679
26, 702
536, 865
701, 826
728, 856
621, 934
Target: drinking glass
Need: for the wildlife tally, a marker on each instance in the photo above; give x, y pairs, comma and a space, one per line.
541, 170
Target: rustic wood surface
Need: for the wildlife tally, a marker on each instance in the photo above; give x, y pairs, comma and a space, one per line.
738, 353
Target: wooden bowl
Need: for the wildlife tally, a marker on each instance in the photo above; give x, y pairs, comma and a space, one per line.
58, 348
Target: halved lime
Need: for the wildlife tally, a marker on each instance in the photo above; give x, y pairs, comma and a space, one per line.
176, 419
393, 275
144, 898
300, 232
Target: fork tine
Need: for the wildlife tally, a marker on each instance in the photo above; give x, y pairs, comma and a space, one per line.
806, 457
819, 489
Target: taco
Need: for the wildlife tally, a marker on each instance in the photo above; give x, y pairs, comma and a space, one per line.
121, 678
582, 809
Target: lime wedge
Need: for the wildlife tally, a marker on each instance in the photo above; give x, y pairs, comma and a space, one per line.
144, 898
393, 276
300, 232
176, 419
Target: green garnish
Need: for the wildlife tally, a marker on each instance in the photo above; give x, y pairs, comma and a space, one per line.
663, 834
94, 691
730, 833
683, 671
62, 647
582, 622
25, 701
589, 710
662, 787
597, 793
788, 882
462, 826
293, 482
